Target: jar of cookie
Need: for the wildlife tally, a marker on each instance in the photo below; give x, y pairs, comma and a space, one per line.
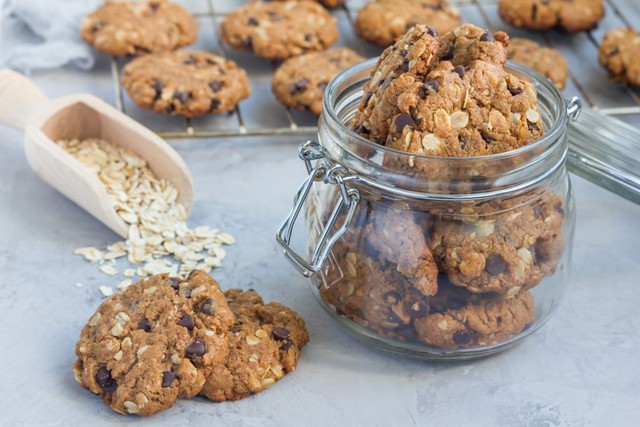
438, 208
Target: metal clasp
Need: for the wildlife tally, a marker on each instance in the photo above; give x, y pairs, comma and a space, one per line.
329, 173
574, 107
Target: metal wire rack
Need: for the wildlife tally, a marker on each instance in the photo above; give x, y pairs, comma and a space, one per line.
605, 96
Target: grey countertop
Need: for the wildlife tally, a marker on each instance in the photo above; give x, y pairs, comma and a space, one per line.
581, 369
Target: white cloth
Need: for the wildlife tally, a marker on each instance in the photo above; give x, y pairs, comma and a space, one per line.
57, 22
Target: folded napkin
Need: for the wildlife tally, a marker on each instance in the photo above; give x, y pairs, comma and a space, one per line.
57, 22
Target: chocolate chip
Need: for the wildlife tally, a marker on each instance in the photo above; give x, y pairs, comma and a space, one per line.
175, 283
157, 86
416, 309
187, 321
486, 137
449, 55
406, 331
286, 345
182, 96
299, 86
144, 324
537, 211
432, 32
280, 333
154, 6
403, 120
385, 84
214, 105
253, 22
430, 85
516, 90
206, 306
105, 380
393, 318
405, 65
391, 297
167, 378
459, 70
216, 86
274, 16
308, 37
248, 42
235, 329
190, 60
322, 85
169, 109
495, 265
462, 337
96, 26
187, 293
196, 349
487, 37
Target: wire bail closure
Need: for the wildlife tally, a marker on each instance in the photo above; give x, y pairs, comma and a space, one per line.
328, 172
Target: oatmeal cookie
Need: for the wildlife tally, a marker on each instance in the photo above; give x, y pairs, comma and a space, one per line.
188, 83
135, 28
458, 319
547, 61
620, 54
277, 31
300, 81
383, 21
501, 253
325, 3
571, 16
152, 344
264, 345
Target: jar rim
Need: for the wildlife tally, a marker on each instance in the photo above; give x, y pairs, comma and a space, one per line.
332, 91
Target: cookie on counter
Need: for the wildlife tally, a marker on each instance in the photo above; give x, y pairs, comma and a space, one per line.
300, 81
264, 345
571, 16
620, 54
152, 344
277, 31
382, 21
187, 83
136, 28
325, 3
547, 61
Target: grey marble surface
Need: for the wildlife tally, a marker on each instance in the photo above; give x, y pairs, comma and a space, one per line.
581, 369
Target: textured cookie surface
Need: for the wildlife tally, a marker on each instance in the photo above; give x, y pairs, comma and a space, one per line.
501, 253
620, 54
152, 344
547, 61
264, 345
189, 83
574, 15
383, 21
300, 82
325, 3
278, 31
130, 28
448, 97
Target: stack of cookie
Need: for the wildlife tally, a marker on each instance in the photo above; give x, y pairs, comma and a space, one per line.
165, 339
164, 77
449, 275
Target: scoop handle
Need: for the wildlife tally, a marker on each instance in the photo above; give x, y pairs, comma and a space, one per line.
20, 99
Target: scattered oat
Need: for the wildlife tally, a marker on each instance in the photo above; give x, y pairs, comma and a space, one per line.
106, 291
79, 285
157, 228
124, 284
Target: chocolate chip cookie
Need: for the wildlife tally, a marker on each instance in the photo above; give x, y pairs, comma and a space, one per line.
277, 31
135, 28
571, 16
325, 3
264, 345
503, 252
547, 61
383, 21
460, 102
300, 81
459, 320
188, 83
152, 344
620, 54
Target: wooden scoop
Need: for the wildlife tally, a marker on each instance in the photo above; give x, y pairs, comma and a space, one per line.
82, 116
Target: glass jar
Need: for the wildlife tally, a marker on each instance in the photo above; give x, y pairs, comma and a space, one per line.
435, 257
